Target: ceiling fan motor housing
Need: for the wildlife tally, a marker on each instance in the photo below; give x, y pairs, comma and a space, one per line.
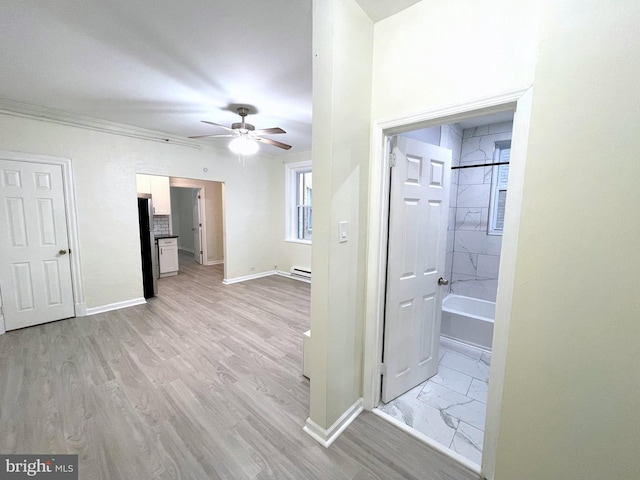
243, 112
241, 126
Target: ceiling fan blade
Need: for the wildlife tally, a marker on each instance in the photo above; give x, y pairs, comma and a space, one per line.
272, 142
217, 125
268, 131
214, 136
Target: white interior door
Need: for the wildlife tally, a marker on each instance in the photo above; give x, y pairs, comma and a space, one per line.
35, 273
197, 227
418, 217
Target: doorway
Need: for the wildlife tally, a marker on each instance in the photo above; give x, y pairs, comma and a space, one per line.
39, 242
380, 242
187, 221
197, 216
447, 400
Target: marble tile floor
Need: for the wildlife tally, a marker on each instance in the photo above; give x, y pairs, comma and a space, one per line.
450, 407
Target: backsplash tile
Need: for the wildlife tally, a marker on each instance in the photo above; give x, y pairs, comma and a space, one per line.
161, 225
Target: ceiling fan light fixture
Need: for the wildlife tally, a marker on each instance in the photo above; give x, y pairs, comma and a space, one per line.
248, 136
243, 146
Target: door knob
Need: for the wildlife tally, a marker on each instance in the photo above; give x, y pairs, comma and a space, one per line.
443, 281
62, 252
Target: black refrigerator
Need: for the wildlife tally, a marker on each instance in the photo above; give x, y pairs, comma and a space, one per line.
148, 249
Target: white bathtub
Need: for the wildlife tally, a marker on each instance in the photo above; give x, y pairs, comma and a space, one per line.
468, 320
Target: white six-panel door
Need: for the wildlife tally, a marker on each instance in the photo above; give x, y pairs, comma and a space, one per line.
418, 217
35, 270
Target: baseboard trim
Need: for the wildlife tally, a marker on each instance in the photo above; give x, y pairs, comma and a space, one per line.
215, 262
326, 437
81, 309
465, 462
230, 281
115, 306
293, 277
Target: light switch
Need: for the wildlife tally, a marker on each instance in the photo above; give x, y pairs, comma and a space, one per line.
343, 231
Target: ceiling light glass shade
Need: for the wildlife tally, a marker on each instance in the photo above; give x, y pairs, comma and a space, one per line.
243, 146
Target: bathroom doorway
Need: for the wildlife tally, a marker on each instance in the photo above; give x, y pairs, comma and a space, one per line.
446, 402
448, 408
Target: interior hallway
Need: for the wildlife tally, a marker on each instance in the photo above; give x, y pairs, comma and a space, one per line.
202, 382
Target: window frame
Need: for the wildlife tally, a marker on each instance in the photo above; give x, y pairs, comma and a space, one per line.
292, 171
500, 147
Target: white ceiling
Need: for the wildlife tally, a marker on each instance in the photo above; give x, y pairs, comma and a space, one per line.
166, 65
380, 9
163, 64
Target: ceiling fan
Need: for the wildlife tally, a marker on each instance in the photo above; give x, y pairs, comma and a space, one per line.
246, 135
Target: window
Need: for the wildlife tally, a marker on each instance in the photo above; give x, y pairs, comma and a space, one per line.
499, 179
299, 194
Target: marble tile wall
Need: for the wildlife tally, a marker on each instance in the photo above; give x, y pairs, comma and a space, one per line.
478, 143
474, 255
451, 138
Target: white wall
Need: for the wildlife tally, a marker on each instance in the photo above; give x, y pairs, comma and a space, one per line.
429, 135
342, 38
571, 398
104, 167
440, 53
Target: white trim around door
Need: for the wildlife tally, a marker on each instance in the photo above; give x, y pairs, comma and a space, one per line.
518, 101
71, 217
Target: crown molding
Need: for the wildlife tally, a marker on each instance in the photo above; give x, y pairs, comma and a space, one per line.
44, 114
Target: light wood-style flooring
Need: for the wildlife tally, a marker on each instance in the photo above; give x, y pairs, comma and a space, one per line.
202, 382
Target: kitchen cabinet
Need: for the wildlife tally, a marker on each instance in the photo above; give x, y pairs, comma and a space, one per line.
143, 184
159, 189
160, 194
168, 256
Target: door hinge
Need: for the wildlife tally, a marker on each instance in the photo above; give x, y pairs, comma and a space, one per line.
200, 252
199, 224
198, 197
392, 159
383, 369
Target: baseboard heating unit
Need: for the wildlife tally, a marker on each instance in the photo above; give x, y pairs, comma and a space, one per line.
300, 272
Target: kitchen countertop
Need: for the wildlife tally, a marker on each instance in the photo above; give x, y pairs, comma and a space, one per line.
166, 236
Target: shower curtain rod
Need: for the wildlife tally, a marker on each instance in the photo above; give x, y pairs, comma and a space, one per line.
481, 165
